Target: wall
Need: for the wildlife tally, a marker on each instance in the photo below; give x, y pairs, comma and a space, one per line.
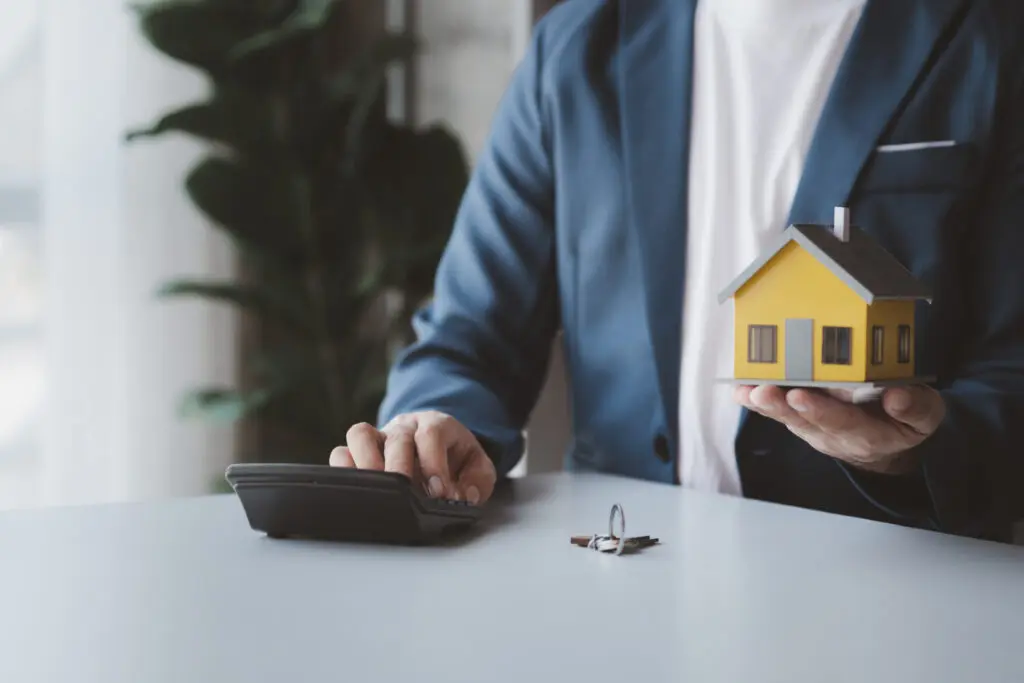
467, 57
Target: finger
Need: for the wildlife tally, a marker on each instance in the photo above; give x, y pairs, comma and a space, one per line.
856, 433
477, 478
771, 401
844, 395
829, 414
920, 408
742, 396
433, 437
341, 457
400, 452
364, 443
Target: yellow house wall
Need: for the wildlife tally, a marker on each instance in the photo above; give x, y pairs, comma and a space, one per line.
890, 315
794, 284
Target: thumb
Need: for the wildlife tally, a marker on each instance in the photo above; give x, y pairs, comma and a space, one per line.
921, 408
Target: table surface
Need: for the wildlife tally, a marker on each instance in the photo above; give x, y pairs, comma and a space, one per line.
184, 592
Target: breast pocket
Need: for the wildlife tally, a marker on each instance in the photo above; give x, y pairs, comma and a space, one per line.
938, 169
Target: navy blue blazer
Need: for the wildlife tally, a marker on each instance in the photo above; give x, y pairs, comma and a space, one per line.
575, 220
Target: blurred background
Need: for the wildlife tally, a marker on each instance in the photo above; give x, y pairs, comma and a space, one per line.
216, 217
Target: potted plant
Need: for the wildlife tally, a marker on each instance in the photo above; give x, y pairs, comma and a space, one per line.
340, 214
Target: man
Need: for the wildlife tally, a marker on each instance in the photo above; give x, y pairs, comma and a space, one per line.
644, 153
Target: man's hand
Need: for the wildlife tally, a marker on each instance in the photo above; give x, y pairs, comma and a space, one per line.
872, 437
432, 449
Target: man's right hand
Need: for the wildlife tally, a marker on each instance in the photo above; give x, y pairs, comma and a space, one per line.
433, 449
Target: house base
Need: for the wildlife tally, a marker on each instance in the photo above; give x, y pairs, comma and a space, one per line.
862, 392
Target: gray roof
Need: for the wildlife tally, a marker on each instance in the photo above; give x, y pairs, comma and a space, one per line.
862, 263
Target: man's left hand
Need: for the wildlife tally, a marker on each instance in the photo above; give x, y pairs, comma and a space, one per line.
875, 438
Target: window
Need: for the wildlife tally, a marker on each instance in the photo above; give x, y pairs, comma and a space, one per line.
877, 345
903, 355
761, 345
835, 345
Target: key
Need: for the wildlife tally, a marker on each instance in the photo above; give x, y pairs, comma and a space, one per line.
631, 542
612, 543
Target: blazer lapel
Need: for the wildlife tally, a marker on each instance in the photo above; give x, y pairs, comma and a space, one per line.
889, 53
656, 45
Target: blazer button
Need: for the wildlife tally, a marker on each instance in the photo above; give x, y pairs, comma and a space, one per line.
661, 448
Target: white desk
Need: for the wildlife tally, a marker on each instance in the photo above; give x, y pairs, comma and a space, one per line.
184, 592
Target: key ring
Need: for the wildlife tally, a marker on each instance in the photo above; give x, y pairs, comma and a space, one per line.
617, 543
617, 509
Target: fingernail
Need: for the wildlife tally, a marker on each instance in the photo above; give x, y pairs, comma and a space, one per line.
797, 405
473, 495
901, 401
436, 487
760, 400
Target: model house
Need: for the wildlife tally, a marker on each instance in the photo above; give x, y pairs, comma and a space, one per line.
825, 305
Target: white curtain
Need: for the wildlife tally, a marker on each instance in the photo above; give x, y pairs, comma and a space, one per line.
20, 377
117, 224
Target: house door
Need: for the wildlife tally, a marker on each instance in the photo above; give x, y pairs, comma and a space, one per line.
800, 349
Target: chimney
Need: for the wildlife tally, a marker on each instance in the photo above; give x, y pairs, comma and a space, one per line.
841, 224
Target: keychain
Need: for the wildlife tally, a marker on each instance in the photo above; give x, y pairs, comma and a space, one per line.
609, 542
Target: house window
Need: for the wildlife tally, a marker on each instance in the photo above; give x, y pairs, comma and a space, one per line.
835, 346
761, 347
903, 355
877, 345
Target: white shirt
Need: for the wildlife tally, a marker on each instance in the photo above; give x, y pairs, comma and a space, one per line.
762, 72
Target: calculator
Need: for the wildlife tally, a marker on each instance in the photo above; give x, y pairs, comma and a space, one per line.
320, 502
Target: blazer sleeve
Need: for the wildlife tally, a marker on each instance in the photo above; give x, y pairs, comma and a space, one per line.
972, 468
483, 342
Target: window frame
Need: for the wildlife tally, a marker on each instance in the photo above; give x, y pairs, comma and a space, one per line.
773, 334
904, 350
877, 344
834, 345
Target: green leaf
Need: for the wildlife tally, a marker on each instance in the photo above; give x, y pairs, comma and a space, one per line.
232, 117
200, 34
308, 16
373, 280
258, 299
311, 14
369, 67
287, 366
416, 181
253, 203
224, 405
196, 117
201, 120
362, 89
